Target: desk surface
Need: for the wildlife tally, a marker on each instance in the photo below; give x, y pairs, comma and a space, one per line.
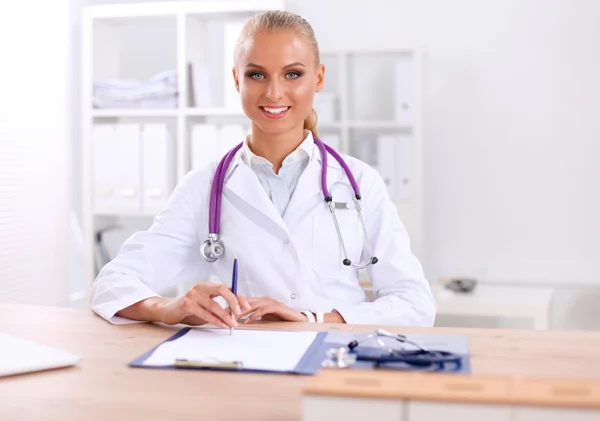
102, 387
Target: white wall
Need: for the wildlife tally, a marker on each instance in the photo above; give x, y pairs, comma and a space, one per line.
510, 131
511, 134
33, 151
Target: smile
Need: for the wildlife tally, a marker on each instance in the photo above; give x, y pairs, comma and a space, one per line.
275, 112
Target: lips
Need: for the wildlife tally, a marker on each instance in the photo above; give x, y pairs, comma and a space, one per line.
275, 112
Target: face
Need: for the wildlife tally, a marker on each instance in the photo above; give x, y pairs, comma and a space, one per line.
277, 77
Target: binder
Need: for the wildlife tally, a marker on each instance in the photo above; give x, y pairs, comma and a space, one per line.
394, 164
104, 147
205, 145
128, 195
308, 364
157, 166
404, 91
117, 171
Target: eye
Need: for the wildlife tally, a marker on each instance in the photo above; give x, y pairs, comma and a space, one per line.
293, 75
255, 75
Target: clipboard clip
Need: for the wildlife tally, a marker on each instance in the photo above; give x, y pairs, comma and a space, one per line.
223, 365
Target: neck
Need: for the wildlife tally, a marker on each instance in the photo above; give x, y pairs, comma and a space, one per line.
275, 147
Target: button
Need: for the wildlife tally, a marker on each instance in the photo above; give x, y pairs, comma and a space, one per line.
293, 296
286, 241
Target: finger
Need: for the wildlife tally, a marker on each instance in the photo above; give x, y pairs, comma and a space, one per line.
259, 313
194, 310
213, 307
244, 302
256, 303
211, 318
199, 296
220, 290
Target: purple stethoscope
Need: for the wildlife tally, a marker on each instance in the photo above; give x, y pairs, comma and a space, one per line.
213, 247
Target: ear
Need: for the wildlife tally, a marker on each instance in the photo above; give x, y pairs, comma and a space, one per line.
236, 79
320, 78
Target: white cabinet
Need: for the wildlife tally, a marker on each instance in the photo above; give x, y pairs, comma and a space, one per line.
527, 413
333, 408
427, 411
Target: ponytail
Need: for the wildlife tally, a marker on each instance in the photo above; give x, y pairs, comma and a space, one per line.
310, 123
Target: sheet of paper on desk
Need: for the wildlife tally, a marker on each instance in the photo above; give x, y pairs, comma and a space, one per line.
256, 349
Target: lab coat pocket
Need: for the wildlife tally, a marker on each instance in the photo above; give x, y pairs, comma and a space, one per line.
328, 253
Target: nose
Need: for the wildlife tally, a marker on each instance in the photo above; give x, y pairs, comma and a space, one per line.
274, 90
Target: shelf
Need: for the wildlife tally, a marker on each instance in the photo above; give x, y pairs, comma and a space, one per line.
117, 113
205, 112
125, 213
379, 124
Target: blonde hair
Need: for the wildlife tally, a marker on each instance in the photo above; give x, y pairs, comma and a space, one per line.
279, 20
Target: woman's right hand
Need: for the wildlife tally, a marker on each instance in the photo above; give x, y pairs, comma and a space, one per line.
197, 307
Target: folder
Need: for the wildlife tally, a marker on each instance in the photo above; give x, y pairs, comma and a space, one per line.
394, 165
235, 356
311, 351
205, 145
404, 90
158, 166
128, 184
117, 171
104, 149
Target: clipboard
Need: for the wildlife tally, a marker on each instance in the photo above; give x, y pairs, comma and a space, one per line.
309, 363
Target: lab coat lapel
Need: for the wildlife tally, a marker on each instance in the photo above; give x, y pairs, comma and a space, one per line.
243, 183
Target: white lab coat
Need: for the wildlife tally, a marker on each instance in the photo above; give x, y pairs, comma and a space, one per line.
296, 259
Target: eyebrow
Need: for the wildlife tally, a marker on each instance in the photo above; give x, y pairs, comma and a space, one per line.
257, 66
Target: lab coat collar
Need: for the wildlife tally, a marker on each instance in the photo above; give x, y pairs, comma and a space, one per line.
244, 155
303, 151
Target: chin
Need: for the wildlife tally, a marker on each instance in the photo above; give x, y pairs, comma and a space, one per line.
277, 127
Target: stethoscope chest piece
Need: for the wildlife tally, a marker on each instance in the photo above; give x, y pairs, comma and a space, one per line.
213, 248
339, 358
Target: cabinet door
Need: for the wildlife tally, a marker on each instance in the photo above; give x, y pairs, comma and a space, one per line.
426, 411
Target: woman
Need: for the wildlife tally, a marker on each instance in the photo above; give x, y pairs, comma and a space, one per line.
274, 217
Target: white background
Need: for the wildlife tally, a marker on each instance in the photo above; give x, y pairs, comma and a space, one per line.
511, 131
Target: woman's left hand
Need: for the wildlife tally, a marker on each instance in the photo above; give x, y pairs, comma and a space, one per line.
270, 309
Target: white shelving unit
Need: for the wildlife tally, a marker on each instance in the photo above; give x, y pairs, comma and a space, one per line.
137, 41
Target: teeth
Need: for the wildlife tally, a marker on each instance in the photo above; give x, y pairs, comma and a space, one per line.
275, 110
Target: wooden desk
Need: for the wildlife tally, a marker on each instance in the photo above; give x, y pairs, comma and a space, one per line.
102, 387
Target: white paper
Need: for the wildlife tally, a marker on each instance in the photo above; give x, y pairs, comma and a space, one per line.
256, 349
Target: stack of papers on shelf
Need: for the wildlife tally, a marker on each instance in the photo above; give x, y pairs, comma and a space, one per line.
160, 91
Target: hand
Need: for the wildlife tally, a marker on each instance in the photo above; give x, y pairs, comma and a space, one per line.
197, 307
270, 309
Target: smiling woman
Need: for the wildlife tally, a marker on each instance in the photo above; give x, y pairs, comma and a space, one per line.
270, 201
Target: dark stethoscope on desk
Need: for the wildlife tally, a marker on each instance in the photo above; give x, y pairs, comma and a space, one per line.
419, 358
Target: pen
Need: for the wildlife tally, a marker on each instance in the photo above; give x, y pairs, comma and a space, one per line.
234, 277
